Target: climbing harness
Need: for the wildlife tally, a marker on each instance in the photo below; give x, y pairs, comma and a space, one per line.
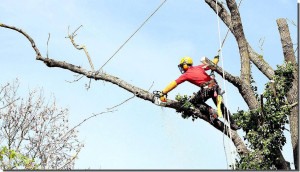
132, 35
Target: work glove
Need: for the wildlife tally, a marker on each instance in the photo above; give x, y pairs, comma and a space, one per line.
215, 61
162, 93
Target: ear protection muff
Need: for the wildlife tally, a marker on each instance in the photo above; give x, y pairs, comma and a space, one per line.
185, 66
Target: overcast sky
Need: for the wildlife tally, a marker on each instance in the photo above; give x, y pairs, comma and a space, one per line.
139, 135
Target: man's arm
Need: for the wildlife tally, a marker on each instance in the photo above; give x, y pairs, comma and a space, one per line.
170, 87
174, 84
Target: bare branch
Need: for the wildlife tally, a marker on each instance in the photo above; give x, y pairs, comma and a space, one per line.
138, 92
127, 100
10, 103
26, 35
121, 103
292, 22
75, 80
71, 160
71, 130
261, 44
48, 45
71, 37
31, 127
88, 86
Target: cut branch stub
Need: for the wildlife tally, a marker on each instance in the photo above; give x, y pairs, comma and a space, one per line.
230, 78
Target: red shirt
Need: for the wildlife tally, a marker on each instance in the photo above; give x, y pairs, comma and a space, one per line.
195, 75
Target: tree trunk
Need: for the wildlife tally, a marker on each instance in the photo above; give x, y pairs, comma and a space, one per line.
234, 23
241, 40
292, 96
256, 58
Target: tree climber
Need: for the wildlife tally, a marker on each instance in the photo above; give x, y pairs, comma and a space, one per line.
197, 75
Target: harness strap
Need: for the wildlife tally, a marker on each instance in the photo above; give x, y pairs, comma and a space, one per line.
209, 83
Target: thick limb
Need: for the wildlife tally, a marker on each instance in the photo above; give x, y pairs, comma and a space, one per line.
226, 114
138, 92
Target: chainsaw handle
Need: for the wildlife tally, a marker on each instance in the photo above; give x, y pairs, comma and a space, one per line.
156, 92
159, 93
162, 97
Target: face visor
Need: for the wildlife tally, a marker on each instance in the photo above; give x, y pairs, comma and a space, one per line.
180, 67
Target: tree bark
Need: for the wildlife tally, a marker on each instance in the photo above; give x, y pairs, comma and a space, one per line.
234, 23
244, 89
292, 96
241, 40
256, 58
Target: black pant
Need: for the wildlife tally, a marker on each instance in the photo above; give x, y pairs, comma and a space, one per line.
204, 94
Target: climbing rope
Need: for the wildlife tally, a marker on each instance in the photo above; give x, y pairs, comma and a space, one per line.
228, 26
132, 35
226, 98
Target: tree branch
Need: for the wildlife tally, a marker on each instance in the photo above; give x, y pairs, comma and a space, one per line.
26, 35
292, 95
256, 58
71, 37
230, 78
238, 31
138, 92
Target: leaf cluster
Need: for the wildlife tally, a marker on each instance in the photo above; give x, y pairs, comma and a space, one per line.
186, 106
264, 126
17, 160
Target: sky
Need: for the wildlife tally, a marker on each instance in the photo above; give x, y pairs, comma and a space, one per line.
139, 135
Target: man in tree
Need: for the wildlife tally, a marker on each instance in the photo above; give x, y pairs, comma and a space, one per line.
197, 75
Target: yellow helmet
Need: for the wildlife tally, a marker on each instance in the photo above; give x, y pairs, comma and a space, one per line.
184, 64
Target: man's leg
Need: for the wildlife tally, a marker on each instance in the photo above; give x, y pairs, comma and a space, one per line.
201, 97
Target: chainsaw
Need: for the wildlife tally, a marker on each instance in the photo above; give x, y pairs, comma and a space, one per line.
159, 98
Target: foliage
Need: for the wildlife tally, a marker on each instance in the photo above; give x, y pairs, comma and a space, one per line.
15, 160
264, 127
34, 133
186, 104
